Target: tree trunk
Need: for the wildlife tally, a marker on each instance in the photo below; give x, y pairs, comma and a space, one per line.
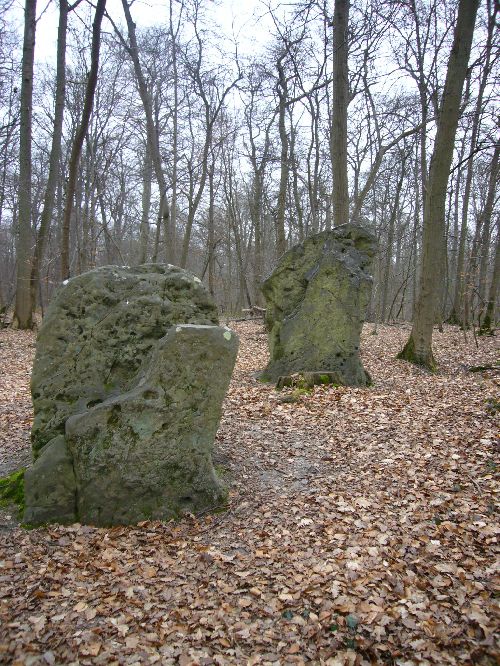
211, 232
299, 212
80, 136
390, 243
22, 311
459, 307
55, 152
340, 195
313, 168
455, 243
151, 129
284, 156
256, 216
418, 349
256, 204
485, 226
488, 322
171, 249
147, 175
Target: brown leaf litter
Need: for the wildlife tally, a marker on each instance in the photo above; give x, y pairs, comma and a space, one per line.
361, 529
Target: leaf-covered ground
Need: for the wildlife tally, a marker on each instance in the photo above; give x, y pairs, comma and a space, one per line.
361, 529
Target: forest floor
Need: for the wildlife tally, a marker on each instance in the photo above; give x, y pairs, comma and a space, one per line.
361, 529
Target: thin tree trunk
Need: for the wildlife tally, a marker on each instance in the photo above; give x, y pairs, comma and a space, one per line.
151, 129
423, 93
488, 322
313, 168
256, 215
284, 157
418, 349
458, 308
299, 212
390, 243
80, 136
22, 311
256, 207
55, 151
175, 136
147, 174
483, 231
211, 232
107, 238
340, 196
455, 243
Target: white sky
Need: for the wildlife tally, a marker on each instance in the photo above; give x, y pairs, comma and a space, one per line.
243, 18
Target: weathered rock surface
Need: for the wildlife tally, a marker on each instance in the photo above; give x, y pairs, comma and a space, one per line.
316, 301
146, 454
128, 382
98, 331
49, 485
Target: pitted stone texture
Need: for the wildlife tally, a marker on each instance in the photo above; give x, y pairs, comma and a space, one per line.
128, 383
146, 454
316, 300
50, 486
97, 332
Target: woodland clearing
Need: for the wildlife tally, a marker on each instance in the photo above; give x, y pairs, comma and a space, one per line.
361, 528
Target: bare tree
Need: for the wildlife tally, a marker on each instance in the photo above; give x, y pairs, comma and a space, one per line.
340, 99
55, 151
213, 97
80, 136
22, 313
488, 323
418, 349
457, 312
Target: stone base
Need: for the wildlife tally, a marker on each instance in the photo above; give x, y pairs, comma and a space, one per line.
310, 379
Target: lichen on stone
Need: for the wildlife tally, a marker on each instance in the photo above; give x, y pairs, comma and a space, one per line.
316, 299
128, 381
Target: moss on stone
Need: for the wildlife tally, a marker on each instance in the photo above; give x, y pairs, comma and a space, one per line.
146, 454
101, 327
12, 490
315, 305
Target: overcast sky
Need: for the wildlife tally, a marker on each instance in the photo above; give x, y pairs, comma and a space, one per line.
246, 19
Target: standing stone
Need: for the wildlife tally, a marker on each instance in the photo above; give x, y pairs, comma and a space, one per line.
316, 300
97, 332
128, 382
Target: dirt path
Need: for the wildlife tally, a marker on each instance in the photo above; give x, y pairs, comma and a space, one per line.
361, 529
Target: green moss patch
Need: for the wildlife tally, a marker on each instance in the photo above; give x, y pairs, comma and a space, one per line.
12, 490
409, 353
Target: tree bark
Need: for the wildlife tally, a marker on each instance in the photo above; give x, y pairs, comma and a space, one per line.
418, 349
340, 195
488, 322
457, 312
147, 173
55, 152
22, 312
151, 129
279, 222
